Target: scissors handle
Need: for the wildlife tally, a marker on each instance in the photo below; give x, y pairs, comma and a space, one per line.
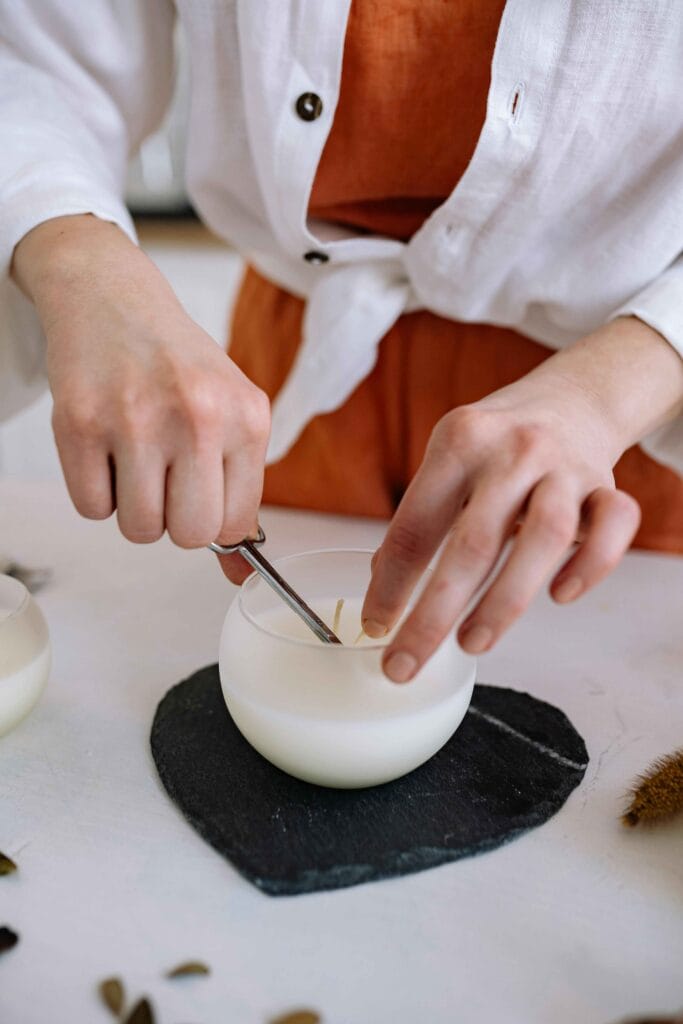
248, 549
231, 549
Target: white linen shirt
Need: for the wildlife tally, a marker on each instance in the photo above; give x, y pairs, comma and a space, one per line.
569, 213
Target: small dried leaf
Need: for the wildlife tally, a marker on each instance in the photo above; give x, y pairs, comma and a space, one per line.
298, 1017
654, 1020
141, 1013
8, 939
7, 865
113, 995
190, 967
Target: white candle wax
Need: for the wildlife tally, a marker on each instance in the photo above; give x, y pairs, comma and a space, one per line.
24, 653
327, 714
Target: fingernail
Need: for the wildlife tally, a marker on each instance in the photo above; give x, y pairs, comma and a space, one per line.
374, 629
400, 666
476, 639
567, 589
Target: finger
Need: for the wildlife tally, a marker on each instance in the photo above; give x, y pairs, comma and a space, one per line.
420, 523
235, 568
140, 474
88, 475
194, 498
611, 522
467, 559
549, 528
243, 490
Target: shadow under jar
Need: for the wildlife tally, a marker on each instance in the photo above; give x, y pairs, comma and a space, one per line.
326, 713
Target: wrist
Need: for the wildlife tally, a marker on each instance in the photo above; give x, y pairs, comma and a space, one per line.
628, 374
67, 264
64, 250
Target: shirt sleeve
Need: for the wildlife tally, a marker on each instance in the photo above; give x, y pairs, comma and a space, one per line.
80, 86
660, 305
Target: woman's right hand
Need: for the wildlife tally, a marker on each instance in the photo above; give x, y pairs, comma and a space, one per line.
151, 418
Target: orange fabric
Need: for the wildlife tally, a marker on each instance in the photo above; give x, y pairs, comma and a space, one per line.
359, 459
415, 80
413, 97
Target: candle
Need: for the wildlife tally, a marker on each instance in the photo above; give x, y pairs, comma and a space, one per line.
326, 713
24, 653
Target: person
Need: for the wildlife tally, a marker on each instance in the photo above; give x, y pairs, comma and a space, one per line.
463, 224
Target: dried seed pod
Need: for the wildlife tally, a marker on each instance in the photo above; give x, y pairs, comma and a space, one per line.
658, 794
8, 938
7, 865
298, 1017
141, 1013
112, 994
188, 968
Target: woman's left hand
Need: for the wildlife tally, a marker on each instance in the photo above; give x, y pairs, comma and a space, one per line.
541, 451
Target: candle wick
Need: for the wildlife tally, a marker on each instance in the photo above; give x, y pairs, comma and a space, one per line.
337, 615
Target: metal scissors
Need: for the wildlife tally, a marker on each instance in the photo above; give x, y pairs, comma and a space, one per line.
248, 549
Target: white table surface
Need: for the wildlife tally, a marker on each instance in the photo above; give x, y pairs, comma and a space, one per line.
580, 920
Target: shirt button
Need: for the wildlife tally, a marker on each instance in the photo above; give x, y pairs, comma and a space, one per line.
316, 257
309, 106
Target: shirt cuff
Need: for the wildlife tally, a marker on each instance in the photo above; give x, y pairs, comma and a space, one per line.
29, 207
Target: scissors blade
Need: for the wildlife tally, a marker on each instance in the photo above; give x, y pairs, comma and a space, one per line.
281, 587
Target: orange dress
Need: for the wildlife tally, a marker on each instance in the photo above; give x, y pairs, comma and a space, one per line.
415, 80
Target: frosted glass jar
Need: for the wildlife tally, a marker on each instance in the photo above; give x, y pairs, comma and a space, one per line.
24, 653
326, 713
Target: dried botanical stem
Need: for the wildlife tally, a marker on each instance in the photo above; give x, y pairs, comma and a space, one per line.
360, 636
658, 794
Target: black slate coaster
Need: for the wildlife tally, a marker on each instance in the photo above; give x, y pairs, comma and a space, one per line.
510, 766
